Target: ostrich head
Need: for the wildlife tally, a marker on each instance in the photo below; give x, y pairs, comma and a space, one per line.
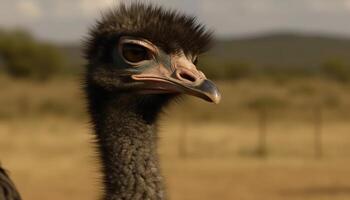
149, 52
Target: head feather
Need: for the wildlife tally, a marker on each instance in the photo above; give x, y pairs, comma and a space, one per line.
170, 30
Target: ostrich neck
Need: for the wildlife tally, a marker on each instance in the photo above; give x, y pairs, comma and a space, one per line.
127, 143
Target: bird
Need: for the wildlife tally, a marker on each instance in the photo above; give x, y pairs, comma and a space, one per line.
140, 58
8, 190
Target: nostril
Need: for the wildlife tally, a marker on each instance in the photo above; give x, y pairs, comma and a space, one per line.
187, 76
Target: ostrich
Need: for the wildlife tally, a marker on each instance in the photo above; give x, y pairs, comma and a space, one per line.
7, 188
140, 58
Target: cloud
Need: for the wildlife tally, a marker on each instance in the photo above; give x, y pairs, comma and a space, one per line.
329, 6
69, 19
91, 7
347, 4
29, 9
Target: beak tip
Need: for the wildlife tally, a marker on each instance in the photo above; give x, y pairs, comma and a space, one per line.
211, 92
216, 98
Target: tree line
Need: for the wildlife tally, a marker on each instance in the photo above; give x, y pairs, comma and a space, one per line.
23, 56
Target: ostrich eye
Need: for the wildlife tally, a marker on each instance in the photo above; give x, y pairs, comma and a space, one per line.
135, 53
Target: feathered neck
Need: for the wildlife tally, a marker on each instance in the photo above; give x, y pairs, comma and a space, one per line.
126, 136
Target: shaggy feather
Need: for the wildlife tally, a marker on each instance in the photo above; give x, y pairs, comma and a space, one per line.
8, 190
168, 29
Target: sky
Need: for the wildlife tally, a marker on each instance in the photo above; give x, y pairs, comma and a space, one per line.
68, 20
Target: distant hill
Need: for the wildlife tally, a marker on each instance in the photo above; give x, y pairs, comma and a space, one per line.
280, 50
283, 50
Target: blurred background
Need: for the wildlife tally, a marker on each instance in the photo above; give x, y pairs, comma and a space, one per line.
282, 130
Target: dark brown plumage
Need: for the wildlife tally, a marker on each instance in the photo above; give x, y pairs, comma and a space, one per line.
168, 29
8, 190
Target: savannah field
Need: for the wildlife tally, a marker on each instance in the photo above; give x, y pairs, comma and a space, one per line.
207, 151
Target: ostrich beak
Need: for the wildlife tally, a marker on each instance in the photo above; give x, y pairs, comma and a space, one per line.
182, 77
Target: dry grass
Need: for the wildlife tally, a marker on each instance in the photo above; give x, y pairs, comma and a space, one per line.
52, 158
49, 153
